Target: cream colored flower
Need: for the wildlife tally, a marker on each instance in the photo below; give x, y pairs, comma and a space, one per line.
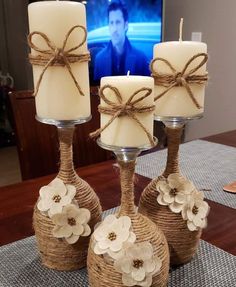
195, 211
111, 235
173, 191
138, 265
54, 196
71, 223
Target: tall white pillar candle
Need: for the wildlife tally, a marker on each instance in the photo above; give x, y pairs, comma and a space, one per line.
177, 102
125, 131
58, 97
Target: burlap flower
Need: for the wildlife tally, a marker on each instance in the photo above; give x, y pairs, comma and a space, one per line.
71, 223
54, 196
195, 211
138, 265
173, 192
111, 235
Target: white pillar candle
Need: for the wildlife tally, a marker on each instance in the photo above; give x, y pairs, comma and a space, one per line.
177, 102
125, 131
58, 97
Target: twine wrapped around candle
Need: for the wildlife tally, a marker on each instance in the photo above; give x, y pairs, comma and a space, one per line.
182, 79
119, 109
57, 56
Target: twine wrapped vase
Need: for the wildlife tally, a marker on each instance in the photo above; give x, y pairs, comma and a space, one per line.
104, 270
57, 253
182, 242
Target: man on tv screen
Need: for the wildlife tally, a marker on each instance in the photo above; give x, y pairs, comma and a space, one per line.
119, 56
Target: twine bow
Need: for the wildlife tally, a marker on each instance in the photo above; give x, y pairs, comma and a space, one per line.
57, 56
129, 108
182, 79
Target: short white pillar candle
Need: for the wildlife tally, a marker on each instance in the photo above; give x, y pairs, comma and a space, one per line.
125, 131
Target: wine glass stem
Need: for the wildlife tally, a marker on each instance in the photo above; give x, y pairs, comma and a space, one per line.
173, 141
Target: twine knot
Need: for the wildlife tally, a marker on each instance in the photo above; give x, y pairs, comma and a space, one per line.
55, 56
180, 79
120, 108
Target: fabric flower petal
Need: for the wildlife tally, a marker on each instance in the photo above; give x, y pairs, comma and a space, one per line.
138, 274
176, 207
72, 239
191, 226
87, 230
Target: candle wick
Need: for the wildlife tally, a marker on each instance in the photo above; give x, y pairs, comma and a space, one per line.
128, 73
181, 29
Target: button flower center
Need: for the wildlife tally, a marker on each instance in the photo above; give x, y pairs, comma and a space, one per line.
173, 191
137, 263
56, 198
112, 236
195, 210
71, 221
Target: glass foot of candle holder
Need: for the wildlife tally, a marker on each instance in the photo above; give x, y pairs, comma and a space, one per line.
63, 253
182, 242
101, 267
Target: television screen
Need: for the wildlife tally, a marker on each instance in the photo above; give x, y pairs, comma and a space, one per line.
121, 36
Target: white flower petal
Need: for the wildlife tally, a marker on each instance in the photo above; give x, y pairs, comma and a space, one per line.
65, 200
158, 264
191, 226
115, 245
197, 221
58, 184
132, 237
160, 200
128, 280
72, 239
116, 255
190, 215
104, 243
44, 191
110, 219
71, 190
125, 221
59, 219
54, 209
147, 282
77, 229
83, 215
180, 198
58, 232
126, 266
43, 205
149, 265
138, 274
87, 230
62, 231
204, 223
164, 187
176, 207
122, 234
98, 250
167, 198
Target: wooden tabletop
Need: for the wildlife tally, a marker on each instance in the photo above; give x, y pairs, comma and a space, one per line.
17, 201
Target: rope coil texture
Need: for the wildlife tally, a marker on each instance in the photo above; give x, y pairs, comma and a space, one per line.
182, 242
56, 253
101, 271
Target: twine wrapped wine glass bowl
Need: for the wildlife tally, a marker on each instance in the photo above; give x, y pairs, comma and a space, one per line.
65, 214
170, 200
127, 249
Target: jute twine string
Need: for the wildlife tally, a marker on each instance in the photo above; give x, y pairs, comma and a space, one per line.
181, 79
173, 138
182, 242
55, 56
57, 254
120, 109
101, 271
